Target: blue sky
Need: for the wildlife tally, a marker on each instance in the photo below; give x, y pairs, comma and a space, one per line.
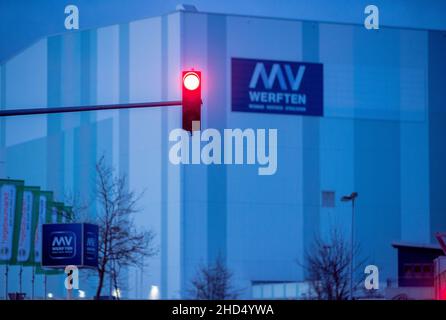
23, 22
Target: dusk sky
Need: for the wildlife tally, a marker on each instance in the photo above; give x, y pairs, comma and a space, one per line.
23, 22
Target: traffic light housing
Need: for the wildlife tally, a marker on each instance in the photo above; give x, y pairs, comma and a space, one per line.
191, 99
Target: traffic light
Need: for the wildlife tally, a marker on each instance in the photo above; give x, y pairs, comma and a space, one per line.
191, 98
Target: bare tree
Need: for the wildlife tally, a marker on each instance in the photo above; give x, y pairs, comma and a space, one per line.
120, 243
79, 208
213, 282
328, 267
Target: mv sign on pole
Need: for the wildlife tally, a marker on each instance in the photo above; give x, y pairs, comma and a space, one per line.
65, 244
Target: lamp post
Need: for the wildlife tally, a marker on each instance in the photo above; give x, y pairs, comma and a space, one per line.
351, 198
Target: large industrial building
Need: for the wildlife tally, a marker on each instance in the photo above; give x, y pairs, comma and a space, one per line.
381, 133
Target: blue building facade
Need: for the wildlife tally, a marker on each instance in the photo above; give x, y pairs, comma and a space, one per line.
381, 135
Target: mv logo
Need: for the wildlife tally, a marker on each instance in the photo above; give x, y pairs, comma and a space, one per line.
91, 242
62, 241
63, 245
287, 79
72, 279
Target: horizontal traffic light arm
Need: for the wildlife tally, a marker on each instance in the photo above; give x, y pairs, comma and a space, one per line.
33, 111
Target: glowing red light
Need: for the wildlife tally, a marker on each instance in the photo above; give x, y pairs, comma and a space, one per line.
442, 295
191, 81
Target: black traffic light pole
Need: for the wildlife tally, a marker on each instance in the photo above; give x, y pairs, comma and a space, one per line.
191, 103
33, 111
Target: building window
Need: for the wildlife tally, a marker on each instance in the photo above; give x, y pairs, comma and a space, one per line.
418, 270
328, 199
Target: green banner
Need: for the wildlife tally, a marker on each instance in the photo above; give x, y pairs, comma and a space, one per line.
67, 214
11, 196
45, 203
54, 214
30, 215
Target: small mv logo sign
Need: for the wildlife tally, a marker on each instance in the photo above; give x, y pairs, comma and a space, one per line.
66, 244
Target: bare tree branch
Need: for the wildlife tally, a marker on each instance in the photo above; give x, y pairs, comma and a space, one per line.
213, 282
120, 243
328, 267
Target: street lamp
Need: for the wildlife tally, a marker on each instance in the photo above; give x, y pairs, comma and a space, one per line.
116, 293
351, 198
154, 293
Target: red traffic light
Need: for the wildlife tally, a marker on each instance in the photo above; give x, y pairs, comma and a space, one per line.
191, 80
191, 100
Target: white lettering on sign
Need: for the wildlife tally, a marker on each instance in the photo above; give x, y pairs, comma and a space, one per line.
277, 97
62, 241
276, 72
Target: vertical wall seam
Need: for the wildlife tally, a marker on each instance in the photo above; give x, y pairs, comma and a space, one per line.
311, 164
217, 175
2, 106
164, 163
55, 137
124, 52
